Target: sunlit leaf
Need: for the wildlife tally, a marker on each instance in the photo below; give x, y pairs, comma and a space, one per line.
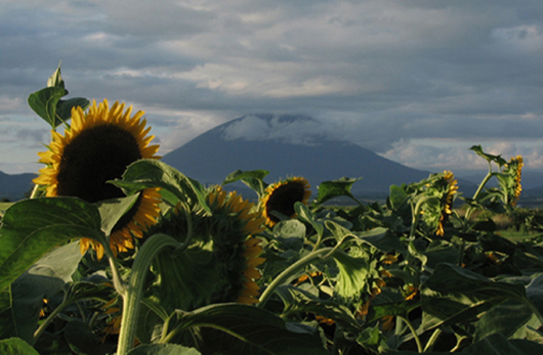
336, 188
353, 275
111, 211
44, 103
253, 178
174, 186
16, 346
31, 228
44, 279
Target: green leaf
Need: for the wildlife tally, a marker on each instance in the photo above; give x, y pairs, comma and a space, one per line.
33, 227
488, 157
499, 345
441, 251
455, 294
64, 107
510, 319
163, 349
111, 211
257, 331
336, 188
338, 231
7, 319
174, 186
305, 215
253, 178
16, 346
353, 275
382, 239
397, 197
55, 80
44, 103
44, 279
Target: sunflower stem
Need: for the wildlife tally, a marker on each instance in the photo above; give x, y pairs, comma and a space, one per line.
280, 279
34, 191
65, 302
413, 331
132, 297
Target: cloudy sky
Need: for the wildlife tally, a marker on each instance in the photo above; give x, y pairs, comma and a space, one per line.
418, 82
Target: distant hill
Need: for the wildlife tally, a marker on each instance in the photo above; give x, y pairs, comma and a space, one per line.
234, 145
14, 187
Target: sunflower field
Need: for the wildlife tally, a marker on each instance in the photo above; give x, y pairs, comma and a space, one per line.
116, 252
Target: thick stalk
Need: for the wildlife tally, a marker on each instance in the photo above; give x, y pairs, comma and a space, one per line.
133, 295
278, 281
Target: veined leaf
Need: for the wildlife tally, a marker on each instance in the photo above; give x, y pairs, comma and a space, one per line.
16, 346
255, 331
33, 227
336, 188
44, 103
453, 293
163, 349
174, 186
254, 179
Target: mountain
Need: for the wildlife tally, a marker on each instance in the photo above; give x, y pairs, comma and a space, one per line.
14, 187
258, 142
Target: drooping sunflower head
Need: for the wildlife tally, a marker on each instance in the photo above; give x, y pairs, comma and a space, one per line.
241, 250
450, 189
437, 196
281, 197
97, 147
220, 265
514, 169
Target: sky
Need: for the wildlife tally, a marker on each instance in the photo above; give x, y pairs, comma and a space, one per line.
418, 82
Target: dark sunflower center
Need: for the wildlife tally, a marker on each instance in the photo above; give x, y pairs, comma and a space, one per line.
95, 156
282, 199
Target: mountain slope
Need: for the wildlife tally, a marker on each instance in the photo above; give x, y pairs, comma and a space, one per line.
13, 187
214, 154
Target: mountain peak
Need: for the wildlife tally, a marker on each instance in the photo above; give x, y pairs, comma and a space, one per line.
286, 145
291, 129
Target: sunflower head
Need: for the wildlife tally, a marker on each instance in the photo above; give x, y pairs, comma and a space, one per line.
450, 189
221, 263
97, 147
513, 169
281, 197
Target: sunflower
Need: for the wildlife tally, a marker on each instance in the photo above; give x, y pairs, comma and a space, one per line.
250, 222
96, 148
516, 165
281, 197
447, 200
220, 265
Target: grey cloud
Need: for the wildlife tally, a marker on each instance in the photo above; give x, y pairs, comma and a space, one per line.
373, 72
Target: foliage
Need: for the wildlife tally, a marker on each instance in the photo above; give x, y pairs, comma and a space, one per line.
407, 276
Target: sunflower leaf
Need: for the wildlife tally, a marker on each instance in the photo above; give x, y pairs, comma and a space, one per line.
454, 294
244, 329
174, 186
33, 227
64, 107
16, 346
163, 349
336, 188
44, 103
111, 211
254, 179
